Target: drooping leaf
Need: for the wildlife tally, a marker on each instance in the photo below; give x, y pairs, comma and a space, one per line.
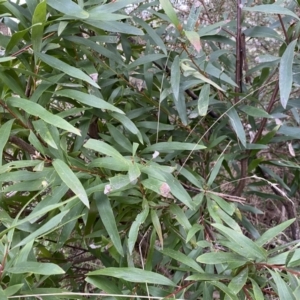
44, 229
88, 99
65, 68
104, 148
68, 7
272, 9
108, 220
37, 110
284, 291
180, 257
71, 180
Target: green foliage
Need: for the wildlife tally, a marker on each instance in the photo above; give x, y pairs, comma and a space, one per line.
131, 150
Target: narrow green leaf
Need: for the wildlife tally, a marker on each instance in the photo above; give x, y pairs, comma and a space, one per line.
119, 137
36, 268
42, 129
10, 79
134, 275
128, 124
255, 112
115, 26
230, 208
203, 100
110, 163
243, 245
215, 171
272, 232
71, 180
192, 231
44, 229
189, 71
169, 147
170, 12
175, 77
88, 99
258, 294
68, 7
237, 125
105, 285
286, 73
238, 282
13, 289
295, 260
5, 130
153, 35
7, 58
208, 277
262, 32
112, 6
134, 172
284, 291
157, 227
37, 110
214, 258
182, 258
272, 9
180, 216
145, 60
38, 19
224, 288
134, 229
104, 148
109, 221
65, 68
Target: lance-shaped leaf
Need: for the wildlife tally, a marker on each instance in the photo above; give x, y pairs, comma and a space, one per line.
272, 9
38, 19
286, 73
175, 77
109, 221
71, 180
88, 99
37, 110
69, 7
134, 229
65, 68
166, 147
170, 12
104, 148
203, 100
36, 268
134, 275
4, 135
44, 229
237, 125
